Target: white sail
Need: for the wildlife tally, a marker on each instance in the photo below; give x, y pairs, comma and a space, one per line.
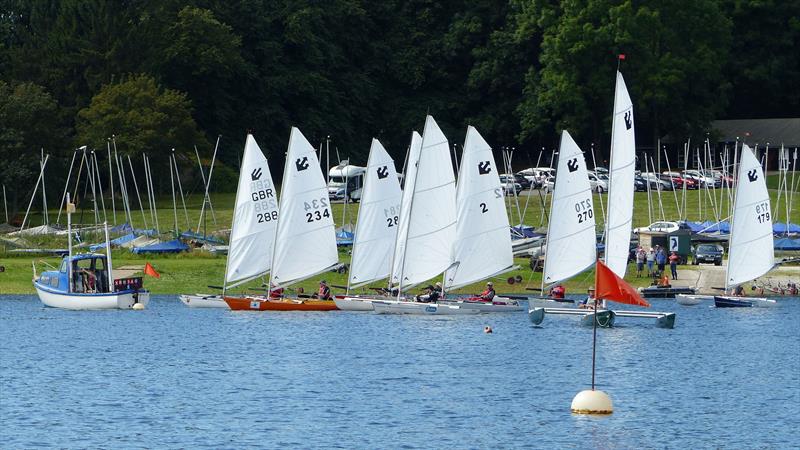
751, 253
255, 218
305, 242
621, 173
432, 212
571, 241
410, 177
482, 246
378, 219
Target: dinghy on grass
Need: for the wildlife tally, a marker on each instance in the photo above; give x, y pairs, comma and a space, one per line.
751, 252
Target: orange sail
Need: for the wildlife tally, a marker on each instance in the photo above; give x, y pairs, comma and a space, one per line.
608, 286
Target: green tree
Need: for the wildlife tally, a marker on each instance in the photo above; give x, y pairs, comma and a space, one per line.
675, 54
144, 117
28, 122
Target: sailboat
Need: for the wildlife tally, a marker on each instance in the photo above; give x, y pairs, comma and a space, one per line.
571, 236
255, 220
305, 238
86, 281
482, 246
751, 252
376, 228
427, 231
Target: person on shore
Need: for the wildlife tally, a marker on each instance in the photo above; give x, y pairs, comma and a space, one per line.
661, 259
489, 293
558, 292
641, 257
651, 260
324, 292
673, 264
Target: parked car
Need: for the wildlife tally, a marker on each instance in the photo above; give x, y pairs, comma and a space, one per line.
707, 253
600, 169
639, 184
598, 182
537, 174
678, 181
524, 182
509, 185
666, 227
703, 180
549, 184
724, 180
656, 182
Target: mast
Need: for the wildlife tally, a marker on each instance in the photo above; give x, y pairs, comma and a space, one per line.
70, 210
66, 187
136, 187
180, 189
410, 209
111, 180
108, 260
44, 193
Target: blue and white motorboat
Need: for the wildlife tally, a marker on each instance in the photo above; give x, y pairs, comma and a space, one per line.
86, 281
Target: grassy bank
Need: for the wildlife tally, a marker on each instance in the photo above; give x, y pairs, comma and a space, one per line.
194, 271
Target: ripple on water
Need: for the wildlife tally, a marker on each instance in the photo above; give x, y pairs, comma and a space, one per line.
171, 376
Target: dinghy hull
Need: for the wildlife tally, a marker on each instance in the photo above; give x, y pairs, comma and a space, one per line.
203, 301
690, 300
743, 302
400, 307
283, 304
76, 301
500, 304
353, 303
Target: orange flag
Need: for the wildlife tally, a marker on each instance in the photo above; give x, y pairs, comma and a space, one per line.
609, 286
149, 270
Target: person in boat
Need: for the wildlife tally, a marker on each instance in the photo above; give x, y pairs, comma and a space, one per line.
324, 292
792, 288
488, 294
673, 264
641, 257
432, 294
275, 292
738, 291
588, 302
651, 260
558, 292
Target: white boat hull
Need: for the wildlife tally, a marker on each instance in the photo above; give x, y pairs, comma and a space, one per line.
691, 300
400, 307
500, 304
354, 303
203, 301
74, 301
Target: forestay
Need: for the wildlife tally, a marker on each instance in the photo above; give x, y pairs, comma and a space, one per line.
571, 241
620, 191
751, 253
305, 242
410, 177
255, 218
432, 212
378, 219
482, 246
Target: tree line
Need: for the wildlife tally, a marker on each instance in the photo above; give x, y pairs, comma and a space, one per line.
163, 74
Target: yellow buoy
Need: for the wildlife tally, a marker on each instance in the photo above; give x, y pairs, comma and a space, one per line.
592, 402
137, 306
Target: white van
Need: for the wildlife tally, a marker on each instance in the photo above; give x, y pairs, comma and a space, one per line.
346, 179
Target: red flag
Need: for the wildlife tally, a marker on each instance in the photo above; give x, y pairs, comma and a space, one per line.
149, 270
608, 286
622, 56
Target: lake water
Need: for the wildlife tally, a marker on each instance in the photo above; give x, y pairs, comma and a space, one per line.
171, 377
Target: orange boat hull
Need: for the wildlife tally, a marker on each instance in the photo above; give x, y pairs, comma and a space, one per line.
282, 304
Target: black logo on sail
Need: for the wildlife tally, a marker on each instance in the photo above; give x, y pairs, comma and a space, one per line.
301, 164
484, 167
255, 174
752, 175
572, 164
628, 119
383, 172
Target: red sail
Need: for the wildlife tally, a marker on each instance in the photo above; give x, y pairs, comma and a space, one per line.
608, 286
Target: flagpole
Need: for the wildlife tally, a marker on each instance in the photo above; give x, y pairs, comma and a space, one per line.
594, 337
